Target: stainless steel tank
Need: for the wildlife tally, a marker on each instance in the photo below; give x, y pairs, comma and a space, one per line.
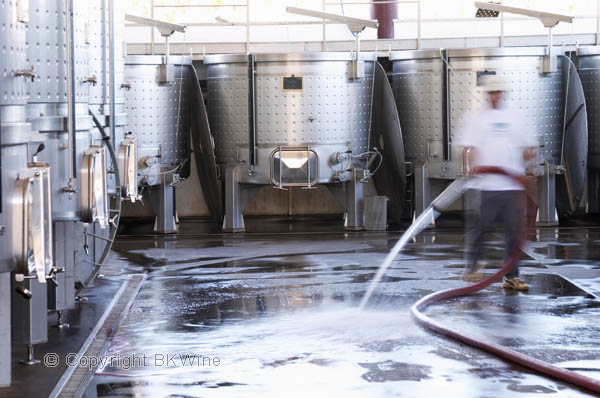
302, 100
48, 102
287, 120
48, 109
99, 55
435, 89
100, 66
17, 237
103, 69
78, 167
158, 120
15, 131
588, 65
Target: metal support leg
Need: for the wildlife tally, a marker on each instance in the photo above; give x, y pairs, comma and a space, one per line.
354, 215
234, 201
5, 352
162, 198
60, 324
61, 295
593, 205
30, 358
30, 316
422, 189
547, 215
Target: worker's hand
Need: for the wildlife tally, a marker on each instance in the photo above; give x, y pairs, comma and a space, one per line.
530, 158
468, 157
530, 153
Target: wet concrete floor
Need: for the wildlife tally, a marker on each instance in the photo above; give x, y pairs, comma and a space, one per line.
275, 314
39, 380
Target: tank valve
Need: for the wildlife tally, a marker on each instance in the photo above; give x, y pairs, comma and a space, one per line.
93, 80
145, 162
24, 292
39, 149
26, 73
339, 158
340, 176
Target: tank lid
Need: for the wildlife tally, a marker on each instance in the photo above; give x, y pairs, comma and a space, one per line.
157, 60
592, 50
284, 57
471, 52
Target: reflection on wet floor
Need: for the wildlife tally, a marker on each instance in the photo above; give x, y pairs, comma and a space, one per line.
280, 315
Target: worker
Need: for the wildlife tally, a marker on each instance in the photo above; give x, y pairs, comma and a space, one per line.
496, 136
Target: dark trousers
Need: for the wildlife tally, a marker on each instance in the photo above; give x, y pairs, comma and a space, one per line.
509, 207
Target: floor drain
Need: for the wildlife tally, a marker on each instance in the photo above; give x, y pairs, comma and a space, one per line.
75, 380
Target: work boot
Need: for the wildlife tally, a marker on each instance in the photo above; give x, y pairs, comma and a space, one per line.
474, 276
515, 284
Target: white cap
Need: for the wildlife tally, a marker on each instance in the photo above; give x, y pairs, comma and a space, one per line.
493, 83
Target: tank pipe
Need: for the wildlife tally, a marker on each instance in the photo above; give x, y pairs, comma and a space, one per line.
113, 158
111, 55
477, 342
71, 127
550, 43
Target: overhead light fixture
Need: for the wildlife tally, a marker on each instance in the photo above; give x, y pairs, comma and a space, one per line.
356, 26
483, 13
224, 21
166, 29
549, 19
492, 10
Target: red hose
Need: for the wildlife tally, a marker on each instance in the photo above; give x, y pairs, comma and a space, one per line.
493, 348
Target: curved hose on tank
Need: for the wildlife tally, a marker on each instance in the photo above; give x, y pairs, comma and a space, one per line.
478, 342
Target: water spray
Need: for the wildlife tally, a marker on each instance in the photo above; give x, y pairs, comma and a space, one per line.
442, 202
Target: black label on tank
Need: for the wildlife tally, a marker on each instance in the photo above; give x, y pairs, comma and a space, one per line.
292, 83
480, 75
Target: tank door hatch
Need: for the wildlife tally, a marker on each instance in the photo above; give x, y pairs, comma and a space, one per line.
32, 222
94, 192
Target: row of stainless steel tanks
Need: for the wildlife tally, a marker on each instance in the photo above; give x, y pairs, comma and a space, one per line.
305, 119
435, 89
284, 120
74, 113
59, 199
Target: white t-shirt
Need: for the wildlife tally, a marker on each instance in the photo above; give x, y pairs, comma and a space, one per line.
499, 137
